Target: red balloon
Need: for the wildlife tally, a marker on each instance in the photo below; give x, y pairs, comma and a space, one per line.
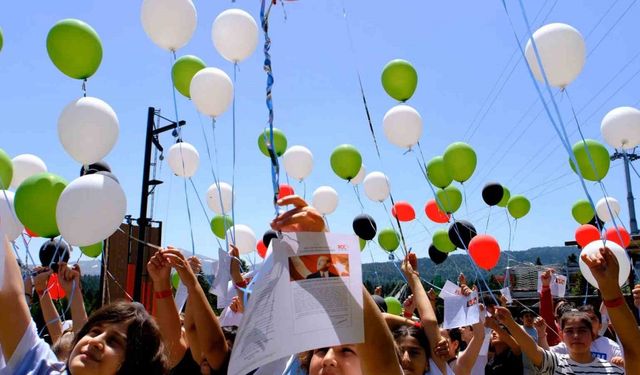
612, 235
285, 191
587, 233
434, 213
54, 287
403, 211
485, 251
262, 249
30, 233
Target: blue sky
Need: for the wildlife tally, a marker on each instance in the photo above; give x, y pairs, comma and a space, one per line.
460, 49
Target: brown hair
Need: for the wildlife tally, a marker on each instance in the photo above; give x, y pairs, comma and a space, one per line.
576, 315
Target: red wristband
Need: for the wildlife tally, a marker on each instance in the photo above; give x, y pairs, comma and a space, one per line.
614, 302
418, 325
163, 294
242, 284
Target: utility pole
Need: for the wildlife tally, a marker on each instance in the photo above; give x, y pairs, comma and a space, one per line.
628, 158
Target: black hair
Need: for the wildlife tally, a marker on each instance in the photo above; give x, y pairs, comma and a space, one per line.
416, 333
456, 335
588, 309
562, 307
576, 315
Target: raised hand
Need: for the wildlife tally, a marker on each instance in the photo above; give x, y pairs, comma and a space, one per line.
41, 279
378, 291
159, 270
67, 277
195, 264
503, 315
636, 295
177, 260
546, 277
442, 349
540, 326
409, 306
302, 218
408, 266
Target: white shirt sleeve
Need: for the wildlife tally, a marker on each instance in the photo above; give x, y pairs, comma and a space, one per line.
32, 356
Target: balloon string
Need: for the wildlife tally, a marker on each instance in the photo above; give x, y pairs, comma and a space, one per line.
186, 199
219, 187
84, 87
233, 168
486, 228
464, 193
356, 191
204, 210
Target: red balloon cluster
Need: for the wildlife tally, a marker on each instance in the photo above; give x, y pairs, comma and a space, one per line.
587, 233
30, 233
485, 251
54, 287
403, 211
262, 249
285, 190
619, 236
434, 213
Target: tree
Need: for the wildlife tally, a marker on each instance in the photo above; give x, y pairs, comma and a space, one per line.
572, 259
538, 261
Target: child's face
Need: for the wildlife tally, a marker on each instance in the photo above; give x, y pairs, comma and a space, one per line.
577, 336
101, 351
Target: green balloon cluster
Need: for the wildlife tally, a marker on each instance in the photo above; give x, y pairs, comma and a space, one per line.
437, 172
6, 170
75, 49
92, 251
399, 79
449, 199
183, 71
220, 224
279, 142
393, 305
346, 161
35, 203
506, 195
597, 154
442, 242
460, 160
582, 211
389, 239
518, 206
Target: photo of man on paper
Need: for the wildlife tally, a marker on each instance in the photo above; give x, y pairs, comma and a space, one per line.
318, 266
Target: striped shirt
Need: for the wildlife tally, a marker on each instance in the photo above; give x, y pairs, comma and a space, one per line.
561, 364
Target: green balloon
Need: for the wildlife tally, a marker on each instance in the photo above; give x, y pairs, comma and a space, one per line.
74, 47
389, 239
279, 142
183, 71
460, 160
363, 244
220, 224
35, 203
442, 242
437, 172
582, 211
599, 155
1, 39
399, 79
449, 199
505, 197
393, 305
175, 280
6, 170
518, 206
92, 251
346, 161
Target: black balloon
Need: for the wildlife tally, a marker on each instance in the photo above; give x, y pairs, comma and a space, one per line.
596, 222
436, 255
365, 227
492, 193
461, 232
268, 236
54, 251
109, 174
100, 166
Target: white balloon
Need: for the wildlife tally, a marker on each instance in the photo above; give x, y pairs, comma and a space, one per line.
25, 166
183, 159
215, 194
621, 127
602, 210
88, 129
9, 223
325, 199
376, 186
298, 162
169, 23
402, 125
594, 248
235, 34
90, 209
245, 239
562, 52
360, 176
211, 91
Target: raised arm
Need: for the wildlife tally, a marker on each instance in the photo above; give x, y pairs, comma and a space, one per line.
546, 308
49, 312
541, 329
526, 342
468, 357
504, 335
70, 282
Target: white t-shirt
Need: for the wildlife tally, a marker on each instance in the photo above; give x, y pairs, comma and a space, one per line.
33, 356
434, 370
561, 364
602, 347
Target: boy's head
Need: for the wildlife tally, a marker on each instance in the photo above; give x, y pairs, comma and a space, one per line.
594, 316
577, 331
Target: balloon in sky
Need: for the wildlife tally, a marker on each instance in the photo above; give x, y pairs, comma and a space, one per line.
402, 126
169, 23
442, 242
183, 159
279, 142
90, 209
621, 127
25, 166
220, 198
619, 235
606, 207
436, 255
594, 163
518, 206
620, 254
461, 232
88, 129
399, 79
298, 162
183, 70
376, 186
285, 190
365, 227
75, 49
243, 237
485, 251
268, 236
1, 39
53, 251
99, 166
506, 195
211, 91
460, 160
449, 199
325, 199
36, 200
389, 239
393, 305
346, 161
6, 170
434, 213
582, 211
403, 211
492, 193
437, 172
562, 52
587, 233
9, 224
234, 34
92, 251
261, 249
220, 224
360, 176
